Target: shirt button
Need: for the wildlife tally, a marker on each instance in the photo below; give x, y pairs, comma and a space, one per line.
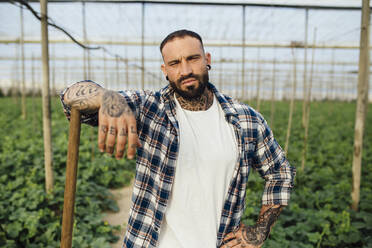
156, 229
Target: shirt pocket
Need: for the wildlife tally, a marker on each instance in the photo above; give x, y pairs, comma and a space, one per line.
249, 147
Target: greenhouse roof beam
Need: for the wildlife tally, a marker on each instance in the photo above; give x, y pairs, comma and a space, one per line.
207, 44
271, 4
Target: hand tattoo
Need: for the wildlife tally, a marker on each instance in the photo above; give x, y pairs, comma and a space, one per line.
258, 233
114, 104
83, 96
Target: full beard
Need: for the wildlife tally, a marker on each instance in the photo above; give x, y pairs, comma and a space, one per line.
192, 92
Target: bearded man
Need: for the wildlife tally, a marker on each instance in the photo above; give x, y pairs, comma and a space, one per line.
195, 148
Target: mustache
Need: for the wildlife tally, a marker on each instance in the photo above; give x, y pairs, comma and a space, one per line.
191, 75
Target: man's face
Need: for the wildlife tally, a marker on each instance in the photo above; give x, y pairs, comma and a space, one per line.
185, 64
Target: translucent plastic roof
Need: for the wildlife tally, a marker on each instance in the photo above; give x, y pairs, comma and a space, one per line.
218, 25
118, 21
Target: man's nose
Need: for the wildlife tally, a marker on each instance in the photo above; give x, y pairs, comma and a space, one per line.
185, 68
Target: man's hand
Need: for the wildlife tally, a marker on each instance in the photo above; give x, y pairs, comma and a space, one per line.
116, 119
253, 236
84, 96
241, 238
116, 122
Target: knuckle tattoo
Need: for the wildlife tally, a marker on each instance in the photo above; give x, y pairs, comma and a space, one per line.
123, 132
132, 129
104, 128
112, 130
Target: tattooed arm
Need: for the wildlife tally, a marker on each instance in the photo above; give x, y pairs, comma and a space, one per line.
254, 236
115, 117
257, 234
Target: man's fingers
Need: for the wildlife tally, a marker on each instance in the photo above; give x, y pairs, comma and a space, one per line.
234, 243
118, 130
132, 140
111, 135
229, 236
102, 133
121, 141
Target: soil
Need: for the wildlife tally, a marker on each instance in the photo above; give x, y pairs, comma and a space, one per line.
123, 199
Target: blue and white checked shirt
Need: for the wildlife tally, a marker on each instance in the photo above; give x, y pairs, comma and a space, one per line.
155, 167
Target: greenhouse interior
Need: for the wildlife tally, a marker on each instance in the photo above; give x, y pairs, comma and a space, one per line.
303, 65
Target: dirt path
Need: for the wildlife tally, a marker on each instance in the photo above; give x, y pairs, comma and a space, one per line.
123, 199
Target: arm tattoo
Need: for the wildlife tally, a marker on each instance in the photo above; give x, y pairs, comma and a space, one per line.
114, 104
258, 233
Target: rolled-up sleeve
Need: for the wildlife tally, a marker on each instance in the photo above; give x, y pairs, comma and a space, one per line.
273, 166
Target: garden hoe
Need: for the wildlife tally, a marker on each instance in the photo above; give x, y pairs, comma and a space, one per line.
70, 185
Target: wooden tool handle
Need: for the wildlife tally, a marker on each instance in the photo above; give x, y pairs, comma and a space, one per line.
71, 173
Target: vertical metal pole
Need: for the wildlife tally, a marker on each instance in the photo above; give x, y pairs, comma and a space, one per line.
15, 78
258, 80
86, 73
126, 74
332, 85
53, 71
309, 90
34, 117
243, 53
305, 68
221, 71
362, 103
251, 94
23, 89
104, 69
291, 106
65, 72
343, 83
143, 47
126, 69
307, 108
33, 75
117, 72
273, 95
47, 130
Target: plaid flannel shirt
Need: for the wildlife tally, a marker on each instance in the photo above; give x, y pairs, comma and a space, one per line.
155, 166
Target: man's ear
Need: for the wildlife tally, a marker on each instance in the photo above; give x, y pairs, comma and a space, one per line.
163, 70
162, 67
208, 58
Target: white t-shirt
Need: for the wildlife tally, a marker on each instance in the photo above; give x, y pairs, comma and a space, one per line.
206, 160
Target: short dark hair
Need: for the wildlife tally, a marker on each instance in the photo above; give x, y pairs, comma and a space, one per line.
180, 34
